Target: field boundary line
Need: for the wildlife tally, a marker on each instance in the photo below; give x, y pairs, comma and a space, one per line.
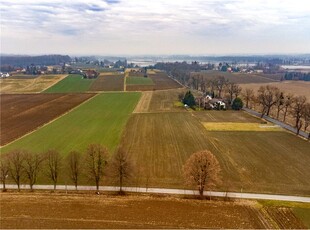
49, 122
234, 195
54, 83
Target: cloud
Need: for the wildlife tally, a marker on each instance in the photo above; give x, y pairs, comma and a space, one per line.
180, 26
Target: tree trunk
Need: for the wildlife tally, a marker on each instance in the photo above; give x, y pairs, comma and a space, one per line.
268, 111
284, 115
54, 185
120, 184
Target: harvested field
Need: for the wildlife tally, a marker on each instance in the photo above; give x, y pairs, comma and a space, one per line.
74, 83
99, 120
161, 81
165, 100
241, 77
29, 85
298, 88
159, 101
252, 161
22, 113
139, 81
56, 210
108, 82
226, 116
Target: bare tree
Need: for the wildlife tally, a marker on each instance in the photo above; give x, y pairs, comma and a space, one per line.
15, 162
4, 171
233, 90
202, 169
248, 96
121, 167
267, 98
306, 116
74, 163
288, 100
96, 160
297, 111
220, 83
279, 97
54, 162
32, 167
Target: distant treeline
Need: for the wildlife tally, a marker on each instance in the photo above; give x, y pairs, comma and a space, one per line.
23, 61
297, 76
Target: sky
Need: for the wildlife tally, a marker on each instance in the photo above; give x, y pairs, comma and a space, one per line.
155, 27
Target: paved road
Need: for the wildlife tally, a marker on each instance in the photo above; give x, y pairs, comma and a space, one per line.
274, 121
170, 191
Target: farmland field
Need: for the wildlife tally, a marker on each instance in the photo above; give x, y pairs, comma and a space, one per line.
161, 81
252, 161
241, 77
139, 81
58, 210
22, 113
27, 84
226, 116
99, 120
298, 88
74, 83
108, 82
159, 101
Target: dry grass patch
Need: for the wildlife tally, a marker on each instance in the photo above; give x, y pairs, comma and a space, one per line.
234, 126
28, 85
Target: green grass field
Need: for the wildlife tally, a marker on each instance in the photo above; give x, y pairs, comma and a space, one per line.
99, 120
139, 81
72, 83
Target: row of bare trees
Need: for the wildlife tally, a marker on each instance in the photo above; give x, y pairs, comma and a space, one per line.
270, 98
218, 87
21, 165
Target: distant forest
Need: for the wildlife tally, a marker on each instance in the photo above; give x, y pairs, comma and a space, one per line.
297, 76
23, 61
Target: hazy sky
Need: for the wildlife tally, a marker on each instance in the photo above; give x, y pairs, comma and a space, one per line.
130, 27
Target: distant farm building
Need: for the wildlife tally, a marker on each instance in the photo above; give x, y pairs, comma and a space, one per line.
91, 74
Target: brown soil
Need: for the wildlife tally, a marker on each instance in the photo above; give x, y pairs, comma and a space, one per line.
56, 210
161, 81
111, 82
22, 113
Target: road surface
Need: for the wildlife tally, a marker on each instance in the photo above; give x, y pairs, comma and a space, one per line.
274, 121
255, 196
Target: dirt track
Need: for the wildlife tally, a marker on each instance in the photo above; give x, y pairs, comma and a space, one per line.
144, 103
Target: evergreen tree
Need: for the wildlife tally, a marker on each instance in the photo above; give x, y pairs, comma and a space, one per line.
189, 99
237, 104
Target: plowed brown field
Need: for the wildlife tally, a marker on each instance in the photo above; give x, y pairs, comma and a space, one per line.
46, 210
161, 81
22, 113
111, 82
